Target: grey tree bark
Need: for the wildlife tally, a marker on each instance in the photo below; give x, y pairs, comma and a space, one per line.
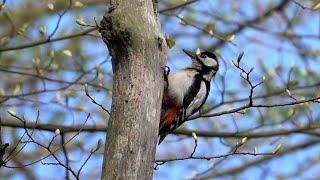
132, 32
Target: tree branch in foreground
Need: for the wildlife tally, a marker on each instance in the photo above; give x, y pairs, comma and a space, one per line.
187, 132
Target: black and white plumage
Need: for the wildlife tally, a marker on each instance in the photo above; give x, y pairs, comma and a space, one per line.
187, 91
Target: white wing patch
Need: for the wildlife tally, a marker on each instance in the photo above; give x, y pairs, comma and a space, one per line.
197, 101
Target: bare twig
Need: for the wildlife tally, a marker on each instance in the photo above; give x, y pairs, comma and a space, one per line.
87, 128
2, 146
59, 20
177, 6
87, 159
41, 42
87, 94
47, 147
284, 151
65, 153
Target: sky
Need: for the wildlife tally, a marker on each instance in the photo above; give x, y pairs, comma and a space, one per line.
177, 60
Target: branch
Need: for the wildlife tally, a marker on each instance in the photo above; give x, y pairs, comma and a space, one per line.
211, 33
88, 95
178, 6
255, 20
236, 110
232, 151
264, 134
46, 147
87, 159
265, 159
65, 153
214, 157
303, 6
69, 84
2, 146
93, 129
53, 127
267, 95
37, 43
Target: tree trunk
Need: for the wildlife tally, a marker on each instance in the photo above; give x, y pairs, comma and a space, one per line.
132, 32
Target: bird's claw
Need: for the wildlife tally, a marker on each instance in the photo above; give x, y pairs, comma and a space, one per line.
166, 71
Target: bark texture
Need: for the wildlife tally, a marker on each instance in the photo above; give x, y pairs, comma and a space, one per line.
132, 32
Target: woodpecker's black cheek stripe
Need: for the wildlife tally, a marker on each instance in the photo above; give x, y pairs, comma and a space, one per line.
206, 69
200, 62
216, 68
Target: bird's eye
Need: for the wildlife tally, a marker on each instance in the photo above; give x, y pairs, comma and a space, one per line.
203, 56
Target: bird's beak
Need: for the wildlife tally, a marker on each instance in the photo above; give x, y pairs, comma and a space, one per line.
190, 54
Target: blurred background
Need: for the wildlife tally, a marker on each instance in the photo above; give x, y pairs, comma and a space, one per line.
50, 49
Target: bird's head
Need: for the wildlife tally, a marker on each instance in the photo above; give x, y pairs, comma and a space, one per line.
206, 62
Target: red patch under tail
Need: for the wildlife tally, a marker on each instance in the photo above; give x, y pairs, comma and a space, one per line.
169, 112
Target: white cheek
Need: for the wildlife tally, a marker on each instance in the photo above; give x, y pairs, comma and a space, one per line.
210, 62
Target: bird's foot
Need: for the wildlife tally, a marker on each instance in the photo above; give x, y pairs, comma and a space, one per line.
166, 71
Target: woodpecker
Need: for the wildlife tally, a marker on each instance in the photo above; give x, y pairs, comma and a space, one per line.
186, 91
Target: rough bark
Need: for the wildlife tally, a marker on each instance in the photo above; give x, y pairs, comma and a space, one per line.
132, 32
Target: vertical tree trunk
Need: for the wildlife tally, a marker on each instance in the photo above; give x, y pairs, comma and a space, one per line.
132, 32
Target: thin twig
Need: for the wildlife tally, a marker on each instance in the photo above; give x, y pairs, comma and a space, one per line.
87, 94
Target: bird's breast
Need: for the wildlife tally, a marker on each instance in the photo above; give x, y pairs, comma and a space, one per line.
179, 84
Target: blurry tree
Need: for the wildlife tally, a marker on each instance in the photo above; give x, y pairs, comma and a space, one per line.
261, 120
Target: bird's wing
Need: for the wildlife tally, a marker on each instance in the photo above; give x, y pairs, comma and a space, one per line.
192, 91
200, 98
195, 98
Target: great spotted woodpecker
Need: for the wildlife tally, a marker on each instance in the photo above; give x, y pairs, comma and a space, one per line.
186, 91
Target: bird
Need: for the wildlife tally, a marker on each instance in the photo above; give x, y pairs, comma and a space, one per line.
186, 91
